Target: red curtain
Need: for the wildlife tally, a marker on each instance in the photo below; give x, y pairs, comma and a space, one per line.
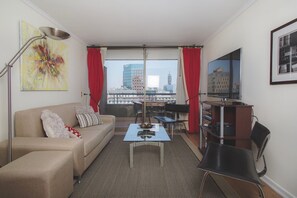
191, 58
95, 76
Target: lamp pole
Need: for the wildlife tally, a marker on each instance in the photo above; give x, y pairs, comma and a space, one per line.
8, 70
47, 32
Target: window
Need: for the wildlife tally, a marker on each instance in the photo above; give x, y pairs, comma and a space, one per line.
126, 74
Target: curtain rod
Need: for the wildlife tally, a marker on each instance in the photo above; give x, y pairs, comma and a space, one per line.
144, 46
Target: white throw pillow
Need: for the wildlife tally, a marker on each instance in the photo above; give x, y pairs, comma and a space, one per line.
53, 125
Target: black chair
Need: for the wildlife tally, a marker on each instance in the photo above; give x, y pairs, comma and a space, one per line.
234, 162
138, 112
178, 109
171, 115
154, 108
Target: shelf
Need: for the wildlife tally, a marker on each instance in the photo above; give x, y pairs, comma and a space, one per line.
234, 116
226, 104
207, 117
214, 134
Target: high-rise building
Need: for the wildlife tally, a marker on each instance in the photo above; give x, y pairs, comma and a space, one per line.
169, 79
137, 84
133, 73
218, 81
169, 86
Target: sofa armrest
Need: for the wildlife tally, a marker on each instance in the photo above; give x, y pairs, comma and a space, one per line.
108, 118
23, 145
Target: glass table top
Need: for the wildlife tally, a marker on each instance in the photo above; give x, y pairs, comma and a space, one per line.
155, 134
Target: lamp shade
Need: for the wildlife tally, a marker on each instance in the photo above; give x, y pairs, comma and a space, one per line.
54, 33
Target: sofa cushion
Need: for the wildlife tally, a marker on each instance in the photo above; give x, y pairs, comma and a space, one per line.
24, 145
38, 174
53, 125
29, 124
88, 119
84, 109
93, 135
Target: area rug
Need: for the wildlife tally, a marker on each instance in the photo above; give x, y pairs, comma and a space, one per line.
110, 174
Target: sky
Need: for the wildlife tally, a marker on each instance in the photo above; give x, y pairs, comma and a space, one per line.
154, 67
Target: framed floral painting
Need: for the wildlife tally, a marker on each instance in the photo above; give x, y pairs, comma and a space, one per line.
44, 65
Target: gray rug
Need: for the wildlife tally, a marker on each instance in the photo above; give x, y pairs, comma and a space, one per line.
110, 175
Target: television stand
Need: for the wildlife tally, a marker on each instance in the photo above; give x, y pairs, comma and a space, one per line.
226, 122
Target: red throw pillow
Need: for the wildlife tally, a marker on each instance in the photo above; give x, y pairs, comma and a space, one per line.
73, 133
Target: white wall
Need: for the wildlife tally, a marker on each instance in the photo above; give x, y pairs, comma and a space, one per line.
11, 12
274, 105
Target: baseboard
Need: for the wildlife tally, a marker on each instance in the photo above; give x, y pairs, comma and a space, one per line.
277, 188
192, 146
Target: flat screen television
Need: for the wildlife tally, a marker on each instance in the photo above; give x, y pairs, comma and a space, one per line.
224, 76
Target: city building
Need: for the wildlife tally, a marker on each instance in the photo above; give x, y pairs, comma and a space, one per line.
169, 86
218, 81
133, 71
137, 83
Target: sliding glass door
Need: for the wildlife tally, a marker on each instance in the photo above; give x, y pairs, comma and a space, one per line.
137, 75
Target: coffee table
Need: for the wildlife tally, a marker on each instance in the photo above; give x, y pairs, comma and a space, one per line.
155, 136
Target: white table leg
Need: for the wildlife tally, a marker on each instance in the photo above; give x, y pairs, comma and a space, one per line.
171, 130
161, 145
131, 154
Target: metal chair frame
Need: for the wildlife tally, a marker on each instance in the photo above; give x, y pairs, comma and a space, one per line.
174, 110
259, 136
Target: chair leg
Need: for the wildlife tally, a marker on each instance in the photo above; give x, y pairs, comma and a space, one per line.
137, 115
260, 191
202, 183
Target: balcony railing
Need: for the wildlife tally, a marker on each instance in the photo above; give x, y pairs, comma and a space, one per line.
128, 98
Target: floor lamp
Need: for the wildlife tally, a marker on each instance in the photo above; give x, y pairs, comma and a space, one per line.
52, 33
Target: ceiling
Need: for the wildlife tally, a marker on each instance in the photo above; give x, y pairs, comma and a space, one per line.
139, 22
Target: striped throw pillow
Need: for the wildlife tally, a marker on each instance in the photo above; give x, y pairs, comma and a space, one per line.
88, 119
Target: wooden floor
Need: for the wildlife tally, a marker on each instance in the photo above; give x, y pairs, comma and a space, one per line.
243, 189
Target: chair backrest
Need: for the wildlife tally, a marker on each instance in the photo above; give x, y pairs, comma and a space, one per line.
180, 108
137, 106
177, 108
260, 136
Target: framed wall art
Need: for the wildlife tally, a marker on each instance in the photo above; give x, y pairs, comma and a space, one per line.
283, 54
44, 65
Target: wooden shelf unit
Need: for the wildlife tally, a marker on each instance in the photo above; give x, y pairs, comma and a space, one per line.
226, 123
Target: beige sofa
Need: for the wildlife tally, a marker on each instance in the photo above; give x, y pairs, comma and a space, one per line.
30, 136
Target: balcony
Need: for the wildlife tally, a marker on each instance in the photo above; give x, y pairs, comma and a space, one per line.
121, 104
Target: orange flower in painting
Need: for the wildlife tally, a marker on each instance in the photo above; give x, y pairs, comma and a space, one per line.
47, 62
